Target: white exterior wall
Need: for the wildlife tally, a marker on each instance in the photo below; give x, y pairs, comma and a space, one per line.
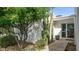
34, 32
57, 26
77, 29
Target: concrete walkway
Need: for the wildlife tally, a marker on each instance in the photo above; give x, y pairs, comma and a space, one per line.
58, 45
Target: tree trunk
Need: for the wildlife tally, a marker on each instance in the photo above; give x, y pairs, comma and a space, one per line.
18, 43
51, 29
5, 49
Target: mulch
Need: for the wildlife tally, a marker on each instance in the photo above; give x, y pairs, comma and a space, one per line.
71, 47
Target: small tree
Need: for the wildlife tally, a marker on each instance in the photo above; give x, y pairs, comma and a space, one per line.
21, 18
26, 18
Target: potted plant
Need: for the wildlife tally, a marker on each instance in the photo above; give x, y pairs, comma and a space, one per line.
57, 37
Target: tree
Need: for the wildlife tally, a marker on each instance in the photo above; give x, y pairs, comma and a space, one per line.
26, 18
21, 18
5, 21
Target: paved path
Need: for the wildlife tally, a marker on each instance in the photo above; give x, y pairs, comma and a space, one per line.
58, 45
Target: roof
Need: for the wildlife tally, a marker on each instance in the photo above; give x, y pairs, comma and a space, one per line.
63, 17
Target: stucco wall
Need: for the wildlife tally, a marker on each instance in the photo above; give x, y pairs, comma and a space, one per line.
34, 32
77, 29
57, 26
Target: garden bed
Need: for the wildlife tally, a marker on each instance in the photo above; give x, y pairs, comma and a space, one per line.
28, 47
71, 47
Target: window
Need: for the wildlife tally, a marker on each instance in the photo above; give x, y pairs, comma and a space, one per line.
63, 30
68, 30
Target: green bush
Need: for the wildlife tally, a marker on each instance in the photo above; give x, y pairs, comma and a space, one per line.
44, 40
29, 49
45, 35
40, 44
7, 41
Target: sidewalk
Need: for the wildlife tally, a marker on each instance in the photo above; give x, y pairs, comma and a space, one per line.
58, 45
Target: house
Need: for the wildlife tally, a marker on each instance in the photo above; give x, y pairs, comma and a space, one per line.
63, 26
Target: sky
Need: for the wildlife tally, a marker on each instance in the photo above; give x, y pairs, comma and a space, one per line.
64, 11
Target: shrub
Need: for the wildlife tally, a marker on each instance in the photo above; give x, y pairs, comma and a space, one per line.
40, 44
7, 41
29, 49
45, 36
44, 40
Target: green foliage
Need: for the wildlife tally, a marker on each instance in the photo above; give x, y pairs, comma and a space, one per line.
23, 14
4, 22
2, 11
21, 18
29, 49
40, 44
44, 41
45, 33
30, 15
7, 41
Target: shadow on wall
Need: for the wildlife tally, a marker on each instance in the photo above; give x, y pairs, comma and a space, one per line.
59, 33
35, 33
57, 29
